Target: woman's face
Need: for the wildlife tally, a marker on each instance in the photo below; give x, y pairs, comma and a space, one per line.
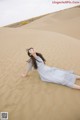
32, 51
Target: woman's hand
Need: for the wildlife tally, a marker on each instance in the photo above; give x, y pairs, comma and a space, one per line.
24, 75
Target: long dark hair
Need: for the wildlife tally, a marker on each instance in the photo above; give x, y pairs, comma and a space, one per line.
33, 59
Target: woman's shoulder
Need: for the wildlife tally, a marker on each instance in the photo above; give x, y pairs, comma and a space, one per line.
38, 58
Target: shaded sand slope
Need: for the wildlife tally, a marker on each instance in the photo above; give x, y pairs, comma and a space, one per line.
30, 98
65, 21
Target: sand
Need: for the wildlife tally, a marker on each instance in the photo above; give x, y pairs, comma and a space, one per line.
65, 22
30, 98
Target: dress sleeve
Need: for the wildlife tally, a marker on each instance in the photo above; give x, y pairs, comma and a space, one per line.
29, 65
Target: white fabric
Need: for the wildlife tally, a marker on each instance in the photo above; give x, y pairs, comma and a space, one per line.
54, 74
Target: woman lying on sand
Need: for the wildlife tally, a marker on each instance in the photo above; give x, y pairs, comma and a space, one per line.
50, 74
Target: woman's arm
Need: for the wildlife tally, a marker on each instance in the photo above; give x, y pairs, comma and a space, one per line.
28, 69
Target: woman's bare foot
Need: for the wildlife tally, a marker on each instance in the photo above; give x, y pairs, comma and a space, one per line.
77, 76
24, 75
76, 87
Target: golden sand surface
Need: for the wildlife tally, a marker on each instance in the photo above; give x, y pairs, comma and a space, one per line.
65, 22
30, 98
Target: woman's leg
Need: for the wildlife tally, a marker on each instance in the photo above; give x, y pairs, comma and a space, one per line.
77, 76
75, 86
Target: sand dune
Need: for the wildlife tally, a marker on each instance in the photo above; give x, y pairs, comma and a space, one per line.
65, 22
30, 98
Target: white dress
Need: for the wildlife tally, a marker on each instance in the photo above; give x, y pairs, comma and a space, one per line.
53, 74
